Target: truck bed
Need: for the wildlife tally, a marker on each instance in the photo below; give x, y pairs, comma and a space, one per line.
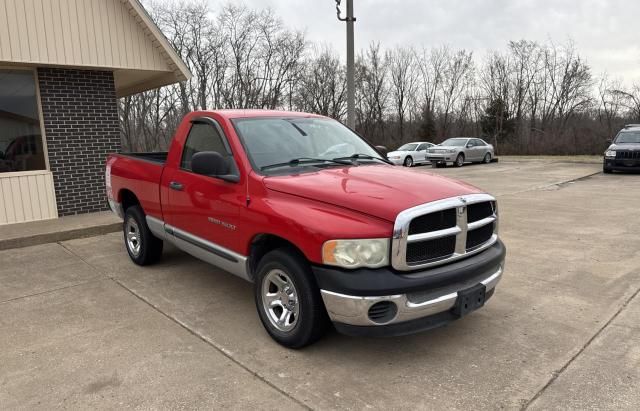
159, 157
140, 173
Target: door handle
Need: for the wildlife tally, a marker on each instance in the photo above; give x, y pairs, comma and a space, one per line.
174, 185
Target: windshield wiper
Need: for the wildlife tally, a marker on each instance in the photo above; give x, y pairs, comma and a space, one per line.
306, 160
359, 156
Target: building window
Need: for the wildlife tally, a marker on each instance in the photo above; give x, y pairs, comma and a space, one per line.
21, 147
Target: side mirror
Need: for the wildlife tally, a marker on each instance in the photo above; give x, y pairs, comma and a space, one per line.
213, 164
382, 150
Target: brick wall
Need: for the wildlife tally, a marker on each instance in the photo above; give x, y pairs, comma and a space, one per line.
81, 125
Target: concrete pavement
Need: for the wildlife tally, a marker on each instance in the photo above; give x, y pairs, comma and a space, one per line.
81, 326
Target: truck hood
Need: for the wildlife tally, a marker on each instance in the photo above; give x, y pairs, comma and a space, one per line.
379, 190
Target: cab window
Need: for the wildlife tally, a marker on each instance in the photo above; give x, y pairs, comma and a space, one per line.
202, 137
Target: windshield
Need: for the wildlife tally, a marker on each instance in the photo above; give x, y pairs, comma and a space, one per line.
274, 142
626, 137
408, 147
454, 142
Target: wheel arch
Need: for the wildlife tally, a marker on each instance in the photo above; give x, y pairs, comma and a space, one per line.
127, 198
263, 243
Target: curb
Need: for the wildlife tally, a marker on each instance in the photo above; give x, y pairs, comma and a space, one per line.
54, 237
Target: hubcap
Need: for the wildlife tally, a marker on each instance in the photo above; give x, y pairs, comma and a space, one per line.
460, 161
280, 300
132, 234
487, 158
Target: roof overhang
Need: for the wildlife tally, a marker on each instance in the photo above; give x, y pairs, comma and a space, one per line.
134, 81
109, 35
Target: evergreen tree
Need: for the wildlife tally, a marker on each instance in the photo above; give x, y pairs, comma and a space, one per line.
427, 127
496, 122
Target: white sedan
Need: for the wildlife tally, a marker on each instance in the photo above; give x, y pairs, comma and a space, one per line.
410, 154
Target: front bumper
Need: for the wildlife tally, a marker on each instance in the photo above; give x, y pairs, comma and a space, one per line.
397, 161
424, 299
622, 164
441, 157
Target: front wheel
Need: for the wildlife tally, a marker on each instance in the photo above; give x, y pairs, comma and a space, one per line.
606, 170
487, 158
288, 300
408, 162
459, 160
143, 247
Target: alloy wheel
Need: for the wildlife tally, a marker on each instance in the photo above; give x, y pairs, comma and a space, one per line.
134, 240
280, 300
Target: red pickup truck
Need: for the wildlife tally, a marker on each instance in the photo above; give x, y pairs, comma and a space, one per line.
325, 228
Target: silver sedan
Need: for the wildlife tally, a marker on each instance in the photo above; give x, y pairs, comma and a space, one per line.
460, 150
410, 154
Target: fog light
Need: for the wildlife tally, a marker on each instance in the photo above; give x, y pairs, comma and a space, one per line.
382, 312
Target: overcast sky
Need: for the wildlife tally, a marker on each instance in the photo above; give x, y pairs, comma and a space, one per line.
606, 32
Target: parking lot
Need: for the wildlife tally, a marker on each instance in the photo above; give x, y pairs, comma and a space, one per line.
83, 327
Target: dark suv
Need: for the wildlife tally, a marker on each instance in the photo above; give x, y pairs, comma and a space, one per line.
624, 152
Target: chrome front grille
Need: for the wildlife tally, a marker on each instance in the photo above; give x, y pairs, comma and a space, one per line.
444, 231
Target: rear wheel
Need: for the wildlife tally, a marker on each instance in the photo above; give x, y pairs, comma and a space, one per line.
487, 158
288, 300
459, 160
143, 247
408, 162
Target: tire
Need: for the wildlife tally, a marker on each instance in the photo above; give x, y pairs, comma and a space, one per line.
606, 170
487, 158
459, 160
143, 247
408, 161
296, 316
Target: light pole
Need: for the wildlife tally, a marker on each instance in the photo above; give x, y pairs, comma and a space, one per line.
351, 86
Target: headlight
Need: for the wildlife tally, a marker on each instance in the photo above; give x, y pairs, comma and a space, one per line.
450, 151
370, 253
394, 157
610, 153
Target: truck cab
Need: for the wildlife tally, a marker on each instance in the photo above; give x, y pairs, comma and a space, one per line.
323, 226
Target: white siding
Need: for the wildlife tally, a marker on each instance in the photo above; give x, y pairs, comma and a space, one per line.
79, 33
27, 196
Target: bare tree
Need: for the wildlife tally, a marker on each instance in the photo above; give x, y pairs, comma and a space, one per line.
538, 97
457, 77
403, 73
372, 93
322, 85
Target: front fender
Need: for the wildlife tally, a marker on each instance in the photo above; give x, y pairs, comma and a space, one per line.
309, 224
